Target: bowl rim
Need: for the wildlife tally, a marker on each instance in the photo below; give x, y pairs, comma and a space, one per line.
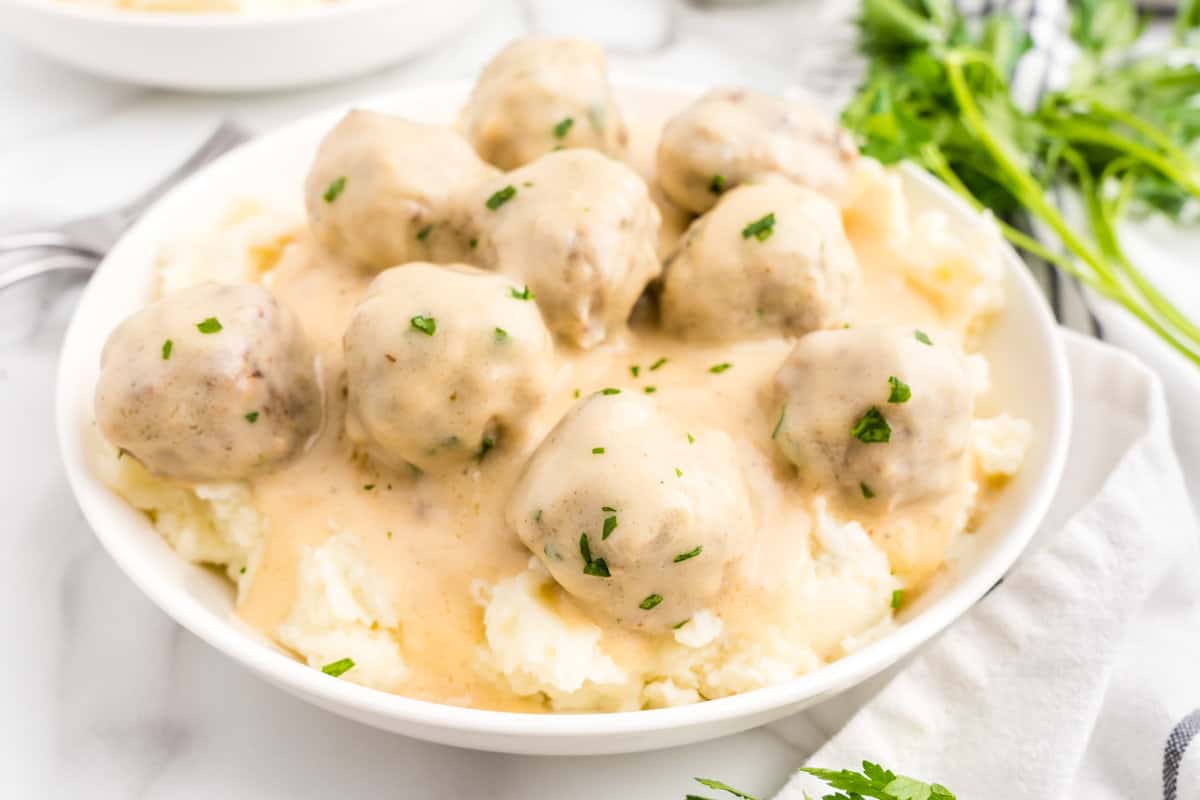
362, 702
204, 20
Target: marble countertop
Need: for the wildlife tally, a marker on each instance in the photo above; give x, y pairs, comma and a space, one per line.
104, 696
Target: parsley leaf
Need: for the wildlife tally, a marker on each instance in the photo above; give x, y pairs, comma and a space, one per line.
872, 428
900, 391
501, 197
335, 189
339, 667
210, 325
760, 229
563, 127
426, 325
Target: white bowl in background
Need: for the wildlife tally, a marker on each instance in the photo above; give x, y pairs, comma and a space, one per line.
1029, 374
233, 52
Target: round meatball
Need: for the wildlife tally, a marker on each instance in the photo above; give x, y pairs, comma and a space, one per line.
542, 94
632, 516
882, 414
211, 383
769, 260
442, 365
384, 191
731, 136
577, 228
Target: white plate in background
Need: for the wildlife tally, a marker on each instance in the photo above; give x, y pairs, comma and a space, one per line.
234, 52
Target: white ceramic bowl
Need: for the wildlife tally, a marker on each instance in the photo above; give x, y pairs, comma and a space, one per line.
1028, 369
232, 52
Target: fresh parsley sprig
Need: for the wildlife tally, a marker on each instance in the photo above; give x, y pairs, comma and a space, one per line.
1122, 133
873, 782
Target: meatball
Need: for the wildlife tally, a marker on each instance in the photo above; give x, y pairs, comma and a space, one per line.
542, 94
769, 260
384, 191
882, 414
442, 364
731, 136
633, 516
580, 230
211, 383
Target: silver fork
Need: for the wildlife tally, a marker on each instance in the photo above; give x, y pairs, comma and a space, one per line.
78, 245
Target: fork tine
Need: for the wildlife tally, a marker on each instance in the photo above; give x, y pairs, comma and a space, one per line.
47, 240
45, 266
227, 136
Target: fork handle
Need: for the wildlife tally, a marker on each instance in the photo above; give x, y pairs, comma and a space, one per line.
45, 266
50, 240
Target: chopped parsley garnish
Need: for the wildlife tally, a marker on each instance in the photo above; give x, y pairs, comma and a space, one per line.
537, 515
867, 492
922, 337
760, 229
242, 571
608, 509
779, 424
485, 445
717, 369
335, 189
167, 347
501, 334
563, 127
577, 393
597, 451
473, 243
650, 389
252, 417
680, 624
658, 363
389, 534
897, 598
689, 554
210, 325
610, 390
524, 294
634, 370
691, 439
900, 390
339, 667
423, 234
426, 325
650, 602
368, 487
121, 453
501, 197
678, 472
591, 566
872, 428
717, 184
610, 525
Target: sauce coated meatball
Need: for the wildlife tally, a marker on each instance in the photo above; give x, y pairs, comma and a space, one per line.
631, 515
211, 383
580, 230
769, 260
540, 94
384, 191
877, 412
732, 136
442, 364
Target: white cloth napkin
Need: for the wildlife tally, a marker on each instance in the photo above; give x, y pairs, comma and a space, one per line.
1079, 675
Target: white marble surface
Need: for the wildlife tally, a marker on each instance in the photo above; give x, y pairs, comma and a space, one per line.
103, 696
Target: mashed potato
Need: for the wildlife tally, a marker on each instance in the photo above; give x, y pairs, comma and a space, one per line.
205, 6
345, 609
840, 597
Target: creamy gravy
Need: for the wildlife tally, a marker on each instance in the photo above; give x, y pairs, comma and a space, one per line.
435, 537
